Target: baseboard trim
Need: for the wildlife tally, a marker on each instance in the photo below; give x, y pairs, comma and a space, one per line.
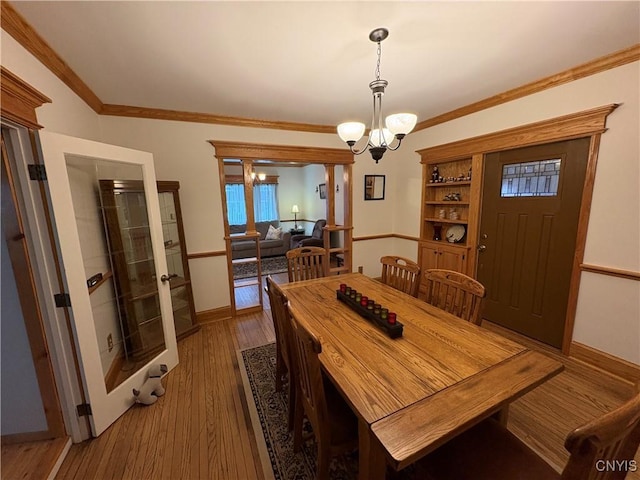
64, 451
616, 366
214, 315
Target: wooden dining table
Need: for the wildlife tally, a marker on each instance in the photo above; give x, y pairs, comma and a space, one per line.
413, 393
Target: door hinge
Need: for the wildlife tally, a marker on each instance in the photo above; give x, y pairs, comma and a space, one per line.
84, 409
37, 171
62, 300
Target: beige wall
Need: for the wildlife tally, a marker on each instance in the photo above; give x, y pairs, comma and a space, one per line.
181, 152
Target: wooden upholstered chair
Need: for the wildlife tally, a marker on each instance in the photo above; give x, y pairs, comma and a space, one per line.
602, 449
284, 354
401, 273
334, 425
455, 293
305, 263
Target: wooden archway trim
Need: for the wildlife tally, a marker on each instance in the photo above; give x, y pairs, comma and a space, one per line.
20, 100
247, 153
575, 125
282, 153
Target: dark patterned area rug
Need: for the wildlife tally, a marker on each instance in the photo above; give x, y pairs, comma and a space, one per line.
268, 410
269, 265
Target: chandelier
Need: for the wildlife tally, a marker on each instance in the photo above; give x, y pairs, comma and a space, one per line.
397, 126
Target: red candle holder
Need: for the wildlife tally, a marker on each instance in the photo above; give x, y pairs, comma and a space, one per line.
343, 287
364, 300
391, 318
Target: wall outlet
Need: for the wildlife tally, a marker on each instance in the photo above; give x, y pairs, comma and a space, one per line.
110, 342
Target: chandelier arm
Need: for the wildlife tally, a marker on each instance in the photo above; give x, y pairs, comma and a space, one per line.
393, 149
357, 152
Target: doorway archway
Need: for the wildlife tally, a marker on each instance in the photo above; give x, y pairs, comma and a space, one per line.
248, 154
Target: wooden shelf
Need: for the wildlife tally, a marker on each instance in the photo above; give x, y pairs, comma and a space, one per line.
239, 261
460, 221
448, 184
435, 202
104, 278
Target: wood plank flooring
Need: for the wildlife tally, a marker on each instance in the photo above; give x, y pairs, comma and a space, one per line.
201, 429
31, 460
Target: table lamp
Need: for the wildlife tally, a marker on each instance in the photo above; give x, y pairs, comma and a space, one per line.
295, 210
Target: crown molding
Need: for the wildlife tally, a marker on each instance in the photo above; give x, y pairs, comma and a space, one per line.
180, 116
20, 100
16, 26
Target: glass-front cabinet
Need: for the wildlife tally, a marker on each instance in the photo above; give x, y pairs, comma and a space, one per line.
184, 314
133, 264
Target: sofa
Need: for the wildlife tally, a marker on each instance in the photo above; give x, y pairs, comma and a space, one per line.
268, 248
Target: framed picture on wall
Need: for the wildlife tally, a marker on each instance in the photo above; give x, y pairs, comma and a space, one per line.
322, 190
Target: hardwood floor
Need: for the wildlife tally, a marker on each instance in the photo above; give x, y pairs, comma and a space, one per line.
201, 429
31, 460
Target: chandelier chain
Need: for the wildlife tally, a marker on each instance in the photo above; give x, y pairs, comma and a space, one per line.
378, 64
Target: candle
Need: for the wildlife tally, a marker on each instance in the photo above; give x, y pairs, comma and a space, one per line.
343, 287
347, 290
370, 305
364, 300
391, 318
376, 309
358, 297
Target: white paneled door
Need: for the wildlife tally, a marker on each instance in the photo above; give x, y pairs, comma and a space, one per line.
114, 263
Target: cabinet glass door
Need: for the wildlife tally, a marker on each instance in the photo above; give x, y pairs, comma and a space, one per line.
174, 253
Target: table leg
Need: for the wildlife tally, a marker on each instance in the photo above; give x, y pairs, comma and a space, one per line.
502, 415
372, 463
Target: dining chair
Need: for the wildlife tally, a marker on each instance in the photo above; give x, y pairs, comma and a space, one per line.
455, 293
602, 449
284, 361
334, 425
305, 263
401, 273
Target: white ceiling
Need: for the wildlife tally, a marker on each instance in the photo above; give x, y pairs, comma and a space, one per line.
311, 62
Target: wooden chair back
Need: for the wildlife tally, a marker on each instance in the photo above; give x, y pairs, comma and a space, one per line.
281, 325
285, 364
604, 448
305, 263
401, 273
455, 293
310, 385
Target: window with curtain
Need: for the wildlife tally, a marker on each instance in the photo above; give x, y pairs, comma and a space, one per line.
236, 213
265, 203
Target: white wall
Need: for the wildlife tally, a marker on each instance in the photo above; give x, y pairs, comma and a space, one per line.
605, 304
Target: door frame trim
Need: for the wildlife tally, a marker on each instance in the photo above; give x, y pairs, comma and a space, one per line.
22, 261
587, 123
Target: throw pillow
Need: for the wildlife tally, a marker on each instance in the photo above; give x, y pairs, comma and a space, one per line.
273, 233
